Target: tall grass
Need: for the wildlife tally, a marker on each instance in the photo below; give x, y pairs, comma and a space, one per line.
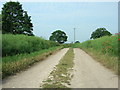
67, 45
61, 75
104, 49
16, 63
17, 44
106, 45
21, 51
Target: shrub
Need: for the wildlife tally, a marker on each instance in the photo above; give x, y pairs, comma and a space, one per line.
106, 45
17, 44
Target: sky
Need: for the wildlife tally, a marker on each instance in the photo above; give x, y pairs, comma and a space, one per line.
86, 17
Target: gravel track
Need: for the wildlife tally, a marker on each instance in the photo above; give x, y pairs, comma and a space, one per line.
33, 77
89, 73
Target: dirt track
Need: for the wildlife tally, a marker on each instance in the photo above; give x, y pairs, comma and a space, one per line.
33, 77
90, 74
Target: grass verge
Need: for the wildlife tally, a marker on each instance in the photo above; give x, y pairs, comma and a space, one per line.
14, 64
61, 75
106, 60
105, 50
21, 44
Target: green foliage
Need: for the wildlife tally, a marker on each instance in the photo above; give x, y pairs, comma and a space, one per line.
60, 77
67, 45
106, 45
100, 32
17, 44
0, 22
58, 36
104, 50
77, 42
15, 20
16, 63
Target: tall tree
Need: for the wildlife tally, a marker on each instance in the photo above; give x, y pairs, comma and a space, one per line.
14, 19
0, 22
100, 32
58, 36
27, 25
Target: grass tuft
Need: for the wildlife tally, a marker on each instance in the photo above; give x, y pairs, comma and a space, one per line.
60, 77
104, 50
16, 63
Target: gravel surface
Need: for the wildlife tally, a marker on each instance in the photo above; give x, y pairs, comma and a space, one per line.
33, 77
89, 73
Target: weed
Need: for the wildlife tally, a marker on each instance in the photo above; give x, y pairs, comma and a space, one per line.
17, 44
104, 50
13, 64
60, 77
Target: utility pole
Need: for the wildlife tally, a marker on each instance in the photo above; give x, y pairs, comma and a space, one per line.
74, 35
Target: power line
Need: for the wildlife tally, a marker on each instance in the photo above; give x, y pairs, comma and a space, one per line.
74, 35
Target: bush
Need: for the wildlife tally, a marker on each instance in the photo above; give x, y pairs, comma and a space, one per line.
17, 44
66, 45
106, 45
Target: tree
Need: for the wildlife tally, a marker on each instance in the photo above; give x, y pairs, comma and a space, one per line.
77, 42
15, 20
0, 22
27, 25
58, 36
100, 32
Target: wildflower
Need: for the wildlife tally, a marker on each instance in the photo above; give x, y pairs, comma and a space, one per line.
118, 39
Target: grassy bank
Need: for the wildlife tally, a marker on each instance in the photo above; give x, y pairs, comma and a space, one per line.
104, 50
66, 45
16, 63
60, 76
17, 44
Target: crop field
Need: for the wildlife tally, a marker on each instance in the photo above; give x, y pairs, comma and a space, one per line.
104, 49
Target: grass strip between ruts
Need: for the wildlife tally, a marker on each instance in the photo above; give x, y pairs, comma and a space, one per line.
61, 75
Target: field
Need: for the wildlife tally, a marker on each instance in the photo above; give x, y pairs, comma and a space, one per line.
104, 49
20, 52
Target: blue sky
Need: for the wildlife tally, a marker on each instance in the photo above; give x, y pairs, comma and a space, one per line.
86, 17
